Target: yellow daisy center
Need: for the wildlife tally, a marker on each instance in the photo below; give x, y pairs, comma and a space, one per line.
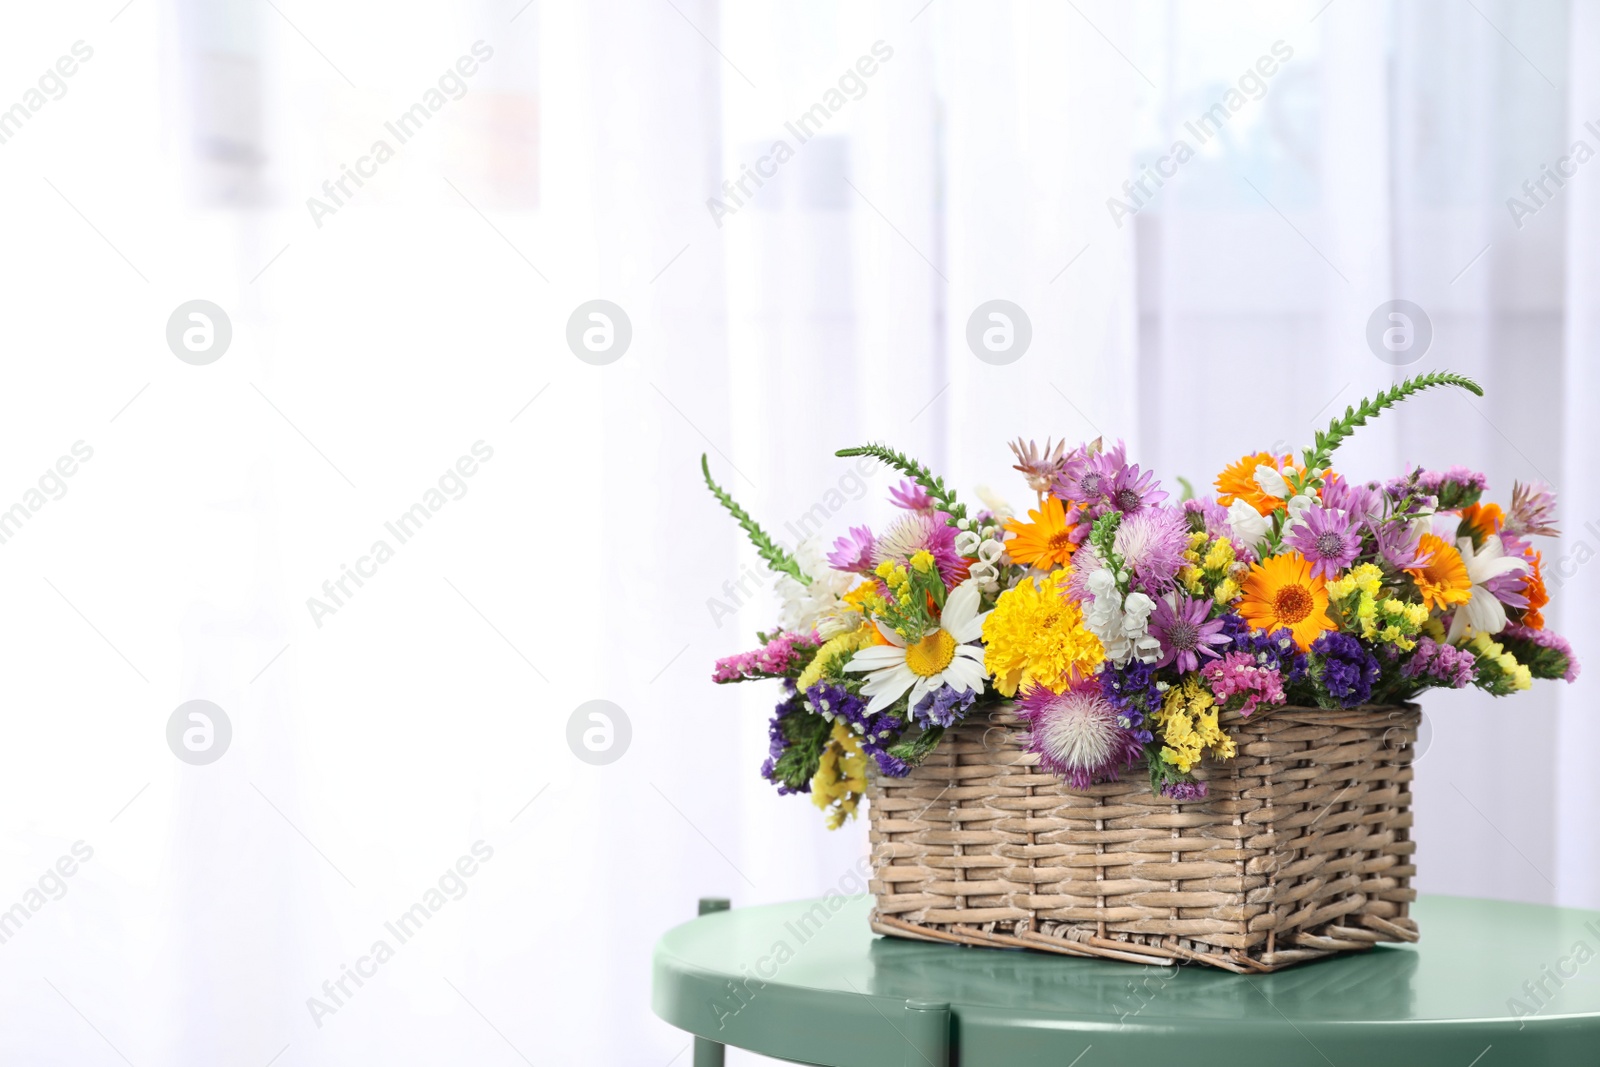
1292, 604
932, 654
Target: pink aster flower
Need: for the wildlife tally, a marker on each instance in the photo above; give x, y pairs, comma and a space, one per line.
1131, 491
911, 496
1533, 509
1087, 473
1186, 635
1327, 540
1077, 735
853, 553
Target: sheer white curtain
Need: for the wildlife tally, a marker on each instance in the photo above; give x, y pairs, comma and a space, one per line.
828, 305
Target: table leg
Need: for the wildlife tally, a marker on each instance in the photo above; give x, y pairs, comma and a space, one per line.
708, 1053
927, 1028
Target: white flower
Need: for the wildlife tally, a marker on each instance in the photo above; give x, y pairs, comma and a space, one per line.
1248, 524
1271, 482
1298, 505
815, 606
995, 503
967, 542
943, 657
1122, 627
1483, 613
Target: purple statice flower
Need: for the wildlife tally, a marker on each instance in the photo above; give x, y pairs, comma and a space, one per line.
1451, 490
1185, 632
1077, 735
943, 706
1533, 510
917, 531
1436, 664
875, 732
778, 742
1344, 667
1184, 790
779, 656
1276, 650
1327, 540
1151, 543
911, 496
1238, 674
1131, 491
1546, 640
853, 553
1131, 691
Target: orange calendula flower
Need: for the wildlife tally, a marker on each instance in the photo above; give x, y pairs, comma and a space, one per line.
1443, 581
1533, 588
1045, 542
1483, 519
1281, 592
1238, 482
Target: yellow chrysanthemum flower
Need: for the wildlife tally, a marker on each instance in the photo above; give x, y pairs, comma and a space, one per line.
1035, 636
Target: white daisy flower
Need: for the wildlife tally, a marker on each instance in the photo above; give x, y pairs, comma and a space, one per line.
943, 657
1483, 613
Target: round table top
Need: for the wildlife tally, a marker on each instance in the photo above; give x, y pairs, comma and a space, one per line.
1491, 984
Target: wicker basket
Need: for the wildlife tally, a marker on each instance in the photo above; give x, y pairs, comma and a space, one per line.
1301, 850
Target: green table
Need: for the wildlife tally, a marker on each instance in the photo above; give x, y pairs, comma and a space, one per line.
1492, 984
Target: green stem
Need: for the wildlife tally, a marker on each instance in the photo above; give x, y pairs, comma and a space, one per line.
776, 558
1321, 453
943, 498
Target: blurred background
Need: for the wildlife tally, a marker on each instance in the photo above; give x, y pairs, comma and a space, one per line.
399, 216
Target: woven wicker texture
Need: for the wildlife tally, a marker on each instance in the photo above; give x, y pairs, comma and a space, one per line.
1301, 849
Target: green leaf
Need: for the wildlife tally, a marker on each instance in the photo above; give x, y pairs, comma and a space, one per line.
1321, 453
916, 749
776, 558
943, 498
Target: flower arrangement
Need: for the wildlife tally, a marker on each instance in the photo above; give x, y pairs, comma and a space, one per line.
1120, 622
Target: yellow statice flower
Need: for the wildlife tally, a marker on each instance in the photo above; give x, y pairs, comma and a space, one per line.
1187, 725
1211, 569
841, 778
922, 562
1035, 636
1498, 670
833, 655
1359, 595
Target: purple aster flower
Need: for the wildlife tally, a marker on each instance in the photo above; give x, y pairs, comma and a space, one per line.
911, 496
1077, 735
1131, 491
1186, 635
1086, 474
1359, 502
1326, 540
853, 553
1400, 545
943, 706
1151, 543
1344, 667
1040, 467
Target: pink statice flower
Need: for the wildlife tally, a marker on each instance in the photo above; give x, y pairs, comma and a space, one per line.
1238, 674
776, 659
